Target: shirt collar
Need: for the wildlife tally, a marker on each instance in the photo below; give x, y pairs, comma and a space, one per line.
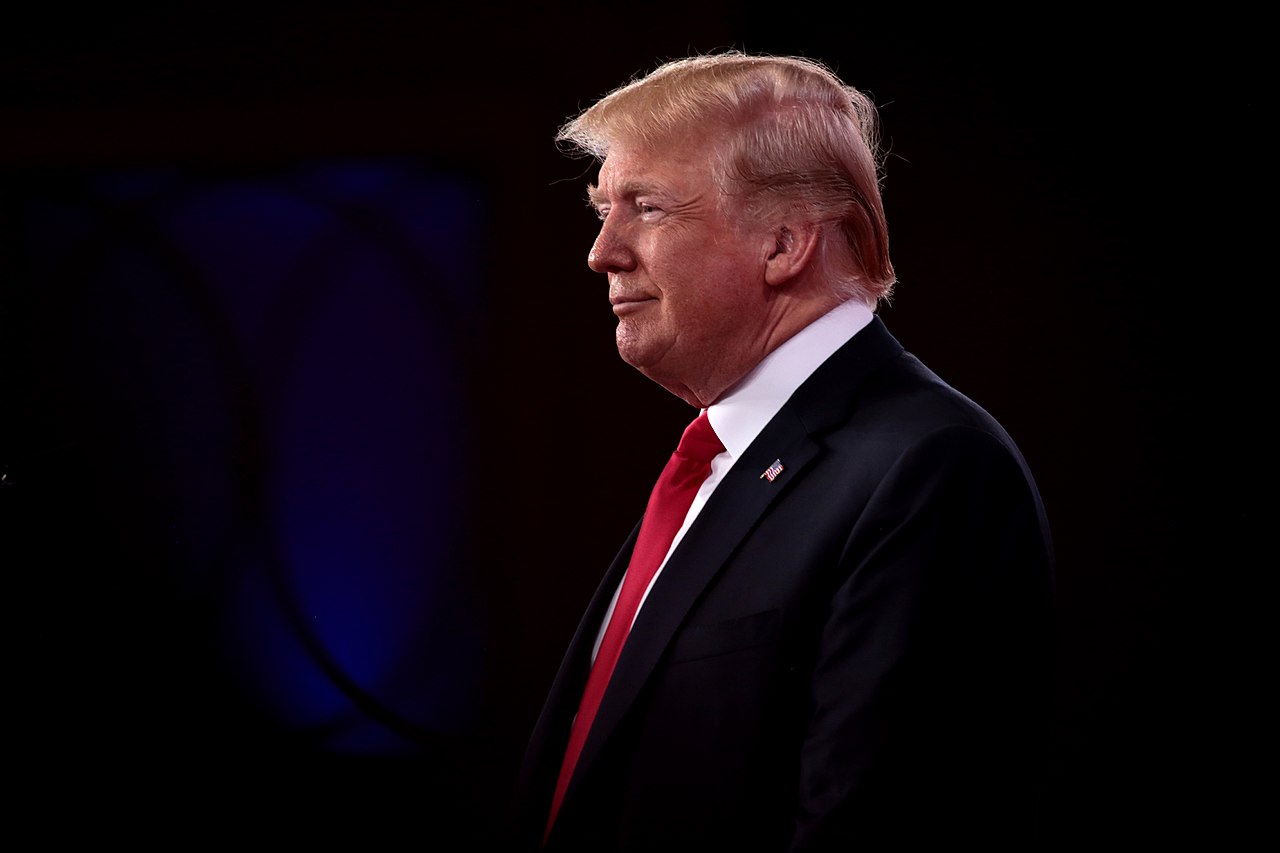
739, 416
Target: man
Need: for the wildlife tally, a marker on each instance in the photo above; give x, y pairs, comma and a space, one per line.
847, 646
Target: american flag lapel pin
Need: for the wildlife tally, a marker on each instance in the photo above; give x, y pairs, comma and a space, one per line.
771, 473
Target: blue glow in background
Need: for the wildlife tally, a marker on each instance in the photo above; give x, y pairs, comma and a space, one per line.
253, 386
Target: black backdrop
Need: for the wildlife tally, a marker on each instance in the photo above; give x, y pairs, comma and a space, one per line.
1054, 192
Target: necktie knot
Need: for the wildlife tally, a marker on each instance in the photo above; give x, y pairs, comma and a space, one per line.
700, 441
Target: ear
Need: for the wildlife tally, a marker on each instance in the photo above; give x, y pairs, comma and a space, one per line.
795, 245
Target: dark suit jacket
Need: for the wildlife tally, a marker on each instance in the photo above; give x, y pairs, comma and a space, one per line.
854, 656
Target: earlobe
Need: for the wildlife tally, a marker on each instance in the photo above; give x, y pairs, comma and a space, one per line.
792, 252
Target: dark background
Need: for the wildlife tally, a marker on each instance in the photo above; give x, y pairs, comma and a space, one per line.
294, 554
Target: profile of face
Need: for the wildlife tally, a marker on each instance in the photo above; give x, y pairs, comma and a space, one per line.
686, 274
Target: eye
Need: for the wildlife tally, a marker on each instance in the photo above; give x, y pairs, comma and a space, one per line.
647, 209
601, 212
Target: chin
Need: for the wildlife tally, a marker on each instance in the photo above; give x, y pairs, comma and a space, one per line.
633, 349
651, 358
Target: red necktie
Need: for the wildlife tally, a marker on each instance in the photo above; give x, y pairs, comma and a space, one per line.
668, 505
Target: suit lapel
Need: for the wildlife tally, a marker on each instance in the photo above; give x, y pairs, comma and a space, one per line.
739, 501
551, 731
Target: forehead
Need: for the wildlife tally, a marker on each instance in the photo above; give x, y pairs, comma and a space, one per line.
679, 168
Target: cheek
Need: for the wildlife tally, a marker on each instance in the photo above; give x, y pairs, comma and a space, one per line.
700, 281
714, 302
686, 263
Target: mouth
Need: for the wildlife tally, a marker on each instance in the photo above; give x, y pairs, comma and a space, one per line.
629, 304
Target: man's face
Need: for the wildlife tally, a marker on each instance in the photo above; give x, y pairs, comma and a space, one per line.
686, 278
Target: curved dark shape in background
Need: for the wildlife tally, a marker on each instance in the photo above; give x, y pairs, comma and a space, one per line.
250, 420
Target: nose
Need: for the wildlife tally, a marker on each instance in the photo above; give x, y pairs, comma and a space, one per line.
611, 251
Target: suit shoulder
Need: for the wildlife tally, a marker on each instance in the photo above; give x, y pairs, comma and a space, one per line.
906, 394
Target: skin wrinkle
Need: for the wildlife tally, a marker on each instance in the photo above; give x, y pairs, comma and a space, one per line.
684, 258
702, 292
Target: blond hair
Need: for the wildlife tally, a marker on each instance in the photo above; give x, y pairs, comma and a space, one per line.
798, 140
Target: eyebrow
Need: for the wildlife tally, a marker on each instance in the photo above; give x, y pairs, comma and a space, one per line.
596, 197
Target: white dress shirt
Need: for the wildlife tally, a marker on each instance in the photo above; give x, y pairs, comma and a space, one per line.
740, 415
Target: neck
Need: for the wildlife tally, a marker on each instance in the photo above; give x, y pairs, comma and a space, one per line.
786, 317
